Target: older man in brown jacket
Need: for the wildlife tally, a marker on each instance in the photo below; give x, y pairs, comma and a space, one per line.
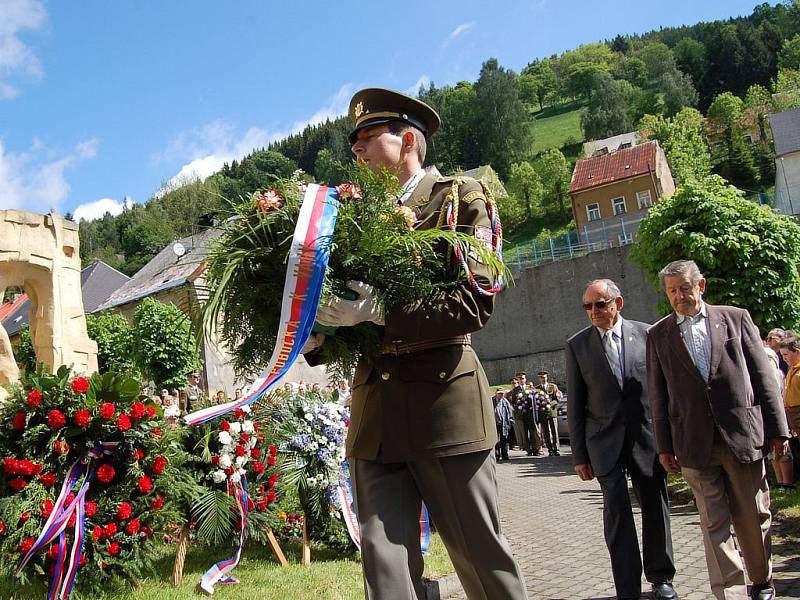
715, 406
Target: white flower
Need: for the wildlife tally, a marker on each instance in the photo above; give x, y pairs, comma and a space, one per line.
246, 409
253, 442
235, 477
236, 427
308, 417
218, 476
224, 438
240, 460
247, 427
225, 461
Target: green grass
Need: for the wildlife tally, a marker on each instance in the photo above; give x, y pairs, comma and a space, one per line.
556, 126
261, 578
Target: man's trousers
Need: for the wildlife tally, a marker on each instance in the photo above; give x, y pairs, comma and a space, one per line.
461, 495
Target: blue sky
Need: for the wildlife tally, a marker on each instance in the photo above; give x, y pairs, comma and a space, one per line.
102, 100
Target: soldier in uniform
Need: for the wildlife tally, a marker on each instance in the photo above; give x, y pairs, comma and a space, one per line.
531, 437
547, 419
422, 426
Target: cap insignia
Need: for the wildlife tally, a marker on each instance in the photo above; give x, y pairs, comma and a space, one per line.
359, 109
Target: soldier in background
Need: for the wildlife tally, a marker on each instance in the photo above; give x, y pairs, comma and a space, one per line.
547, 419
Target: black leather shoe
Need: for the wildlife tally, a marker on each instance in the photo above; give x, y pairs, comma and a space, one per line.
664, 591
762, 591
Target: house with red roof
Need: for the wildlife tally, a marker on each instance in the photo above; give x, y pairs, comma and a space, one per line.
611, 193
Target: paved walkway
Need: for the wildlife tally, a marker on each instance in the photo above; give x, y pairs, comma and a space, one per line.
554, 523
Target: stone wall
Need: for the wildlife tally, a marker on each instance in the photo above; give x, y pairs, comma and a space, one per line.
534, 317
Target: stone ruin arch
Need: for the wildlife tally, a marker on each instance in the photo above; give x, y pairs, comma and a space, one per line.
40, 254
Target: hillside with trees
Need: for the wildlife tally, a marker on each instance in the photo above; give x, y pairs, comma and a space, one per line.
529, 127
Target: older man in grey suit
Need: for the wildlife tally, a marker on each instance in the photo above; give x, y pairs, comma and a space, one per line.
715, 404
611, 438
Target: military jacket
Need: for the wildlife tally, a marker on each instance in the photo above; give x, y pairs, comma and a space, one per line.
433, 402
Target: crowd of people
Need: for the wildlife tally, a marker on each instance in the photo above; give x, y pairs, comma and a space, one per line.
525, 416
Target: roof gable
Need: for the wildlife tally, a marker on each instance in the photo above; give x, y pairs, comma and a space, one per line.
786, 131
617, 166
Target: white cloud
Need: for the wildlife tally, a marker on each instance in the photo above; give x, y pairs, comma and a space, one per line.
34, 179
17, 59
423, 81
458, 31
208, 147
90, 211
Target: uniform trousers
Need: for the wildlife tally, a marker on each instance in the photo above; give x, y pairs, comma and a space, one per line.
530, 431
461, 495
549, 433
730, 492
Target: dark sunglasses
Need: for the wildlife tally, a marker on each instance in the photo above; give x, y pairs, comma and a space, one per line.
599, 305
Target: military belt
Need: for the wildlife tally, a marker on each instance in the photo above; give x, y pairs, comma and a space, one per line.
400, 348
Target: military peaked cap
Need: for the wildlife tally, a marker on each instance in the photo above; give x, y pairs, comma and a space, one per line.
543, 373
375, 106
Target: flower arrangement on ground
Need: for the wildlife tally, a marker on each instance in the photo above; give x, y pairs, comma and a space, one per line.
86, 463
373, 242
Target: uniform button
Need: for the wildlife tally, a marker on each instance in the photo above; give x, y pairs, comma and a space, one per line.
385, 376
442, 375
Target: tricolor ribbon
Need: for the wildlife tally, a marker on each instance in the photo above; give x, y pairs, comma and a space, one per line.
68, 559
305, 272
219, 573
347, 506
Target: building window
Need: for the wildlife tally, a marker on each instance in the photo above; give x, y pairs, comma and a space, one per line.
625, 145
643, 199
625, 238
748, 139
593, 212
619, 205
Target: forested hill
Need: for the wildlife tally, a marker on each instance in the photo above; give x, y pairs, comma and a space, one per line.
609, 85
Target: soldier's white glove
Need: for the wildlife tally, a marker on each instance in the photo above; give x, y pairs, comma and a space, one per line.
338, 312
314, 341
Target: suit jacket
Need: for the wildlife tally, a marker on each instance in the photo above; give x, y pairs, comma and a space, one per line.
605, 419
740, 398
435, 402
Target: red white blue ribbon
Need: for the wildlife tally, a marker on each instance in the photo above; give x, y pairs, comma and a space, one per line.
497, 247
220, 572
305, 272
68, 559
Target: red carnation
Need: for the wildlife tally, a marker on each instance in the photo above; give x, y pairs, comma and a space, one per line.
26, 545
262, 505
147, 531
225, 426
273, 480
71, 521
159, 464
107, 410
215, 459
81, 560
113, 548
151, 411
271, 460
45, 508
271, 496
255, 452
61, 447
157, 503
18, 422
258, 467
47, 479
26, 467
137, 410
109, 529
97, 533
245, 437
105, 473
273, 450
145, 484
80, 385
256, 427
124, 511
52, 552
123, 422
156, 432
133, 527
17, 484
90, 508
10, 466
56, 419
34, 399
239, 450
139, 454
238, 413
82, 418
23, 518
349, 190
70, 497
2, 528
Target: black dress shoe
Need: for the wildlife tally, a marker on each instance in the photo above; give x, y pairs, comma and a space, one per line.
762, 591
664, 591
